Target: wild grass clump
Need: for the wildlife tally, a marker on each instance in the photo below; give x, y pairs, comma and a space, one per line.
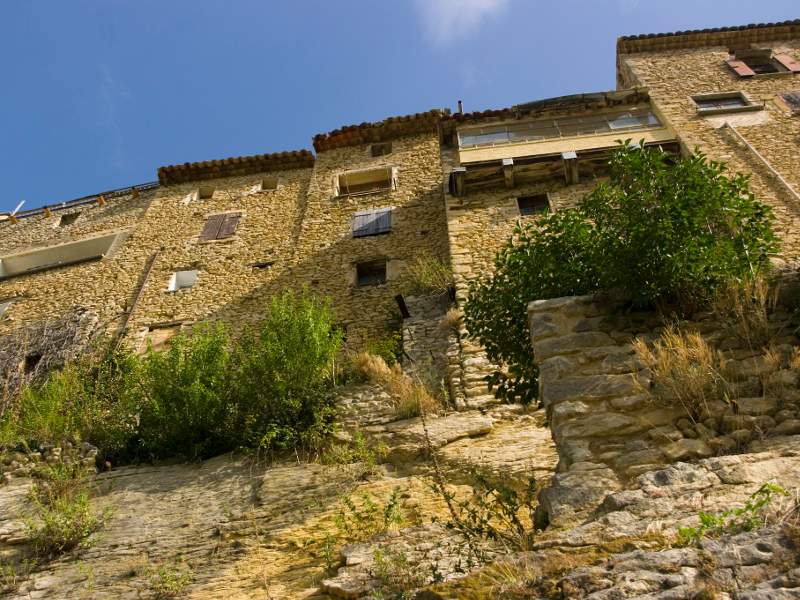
744, 305
206, 394
684, 371
63, 517
411, 397
429, 275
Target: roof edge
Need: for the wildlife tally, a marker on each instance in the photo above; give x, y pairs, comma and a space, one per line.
716, 36
237, 165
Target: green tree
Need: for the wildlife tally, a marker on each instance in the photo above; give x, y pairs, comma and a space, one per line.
662, 230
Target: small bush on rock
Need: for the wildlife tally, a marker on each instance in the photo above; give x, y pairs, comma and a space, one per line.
661, 230
206, 394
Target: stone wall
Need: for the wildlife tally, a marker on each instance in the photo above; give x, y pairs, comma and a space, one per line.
674, 76
609, 425
103, 286
235, 274
327, 253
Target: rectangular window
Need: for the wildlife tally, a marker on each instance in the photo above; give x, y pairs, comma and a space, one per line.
204, 192
371, 273
792, 100
529, 131
533, 205
220, 227
723, 102
182, 280
269, 184
372, 222
355, 183
58, 256
381, 149
760, 61
66, 220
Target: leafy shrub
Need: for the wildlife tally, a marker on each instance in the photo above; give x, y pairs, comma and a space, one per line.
170, 580
63, 517
388, 347
284, 374
205, 395
661, 230
495, 511
733, 520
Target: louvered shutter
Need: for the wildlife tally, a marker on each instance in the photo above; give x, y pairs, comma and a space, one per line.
229, 224
211, 228
383, 221
372, 222
361, 222
741, 69
789, 62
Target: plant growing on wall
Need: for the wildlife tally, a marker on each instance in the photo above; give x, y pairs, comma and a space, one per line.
663, 230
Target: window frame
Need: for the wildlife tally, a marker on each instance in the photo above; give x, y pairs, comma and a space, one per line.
747, 106
339, 177
387, 146
359, 280
539, 196
70, 217
173, 285
205, 238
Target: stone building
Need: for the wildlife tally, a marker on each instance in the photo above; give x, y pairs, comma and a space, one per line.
214, 239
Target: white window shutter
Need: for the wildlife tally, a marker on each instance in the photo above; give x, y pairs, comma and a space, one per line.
395, 172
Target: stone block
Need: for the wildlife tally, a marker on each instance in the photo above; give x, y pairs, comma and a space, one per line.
589, 387
788, 427
757, 406
687, 449
569, 343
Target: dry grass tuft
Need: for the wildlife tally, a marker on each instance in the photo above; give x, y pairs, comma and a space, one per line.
411, 397
684, 370
429, 274
451, 320
745, 305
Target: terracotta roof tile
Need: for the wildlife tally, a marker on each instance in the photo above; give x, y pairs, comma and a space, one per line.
235, 165
367, 133
716, 36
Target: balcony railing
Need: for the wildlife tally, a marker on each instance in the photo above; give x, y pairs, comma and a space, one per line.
530, 131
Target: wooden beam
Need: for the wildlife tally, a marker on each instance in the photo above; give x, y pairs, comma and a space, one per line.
508, 172
458, 183
570, 158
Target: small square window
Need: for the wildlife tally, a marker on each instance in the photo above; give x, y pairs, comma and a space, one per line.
748, 62
69, 219
204, 192
533, 205
792, 100
381, 149
182, 280
724, 102
371, 273
269, 184
31, 362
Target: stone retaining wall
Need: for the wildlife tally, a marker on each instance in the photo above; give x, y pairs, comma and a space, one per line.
607, 425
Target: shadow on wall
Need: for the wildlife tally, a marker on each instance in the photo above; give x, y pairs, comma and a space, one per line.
330, 269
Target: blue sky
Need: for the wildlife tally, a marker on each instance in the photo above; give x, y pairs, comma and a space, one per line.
97, 94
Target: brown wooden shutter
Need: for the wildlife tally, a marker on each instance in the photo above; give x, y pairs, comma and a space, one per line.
792, 100
741, 69
789, 62
229, 224
211, 228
